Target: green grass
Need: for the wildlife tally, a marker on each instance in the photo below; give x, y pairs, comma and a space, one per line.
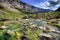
12, 15
32, 34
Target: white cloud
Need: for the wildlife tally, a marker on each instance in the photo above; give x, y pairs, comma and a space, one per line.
56, 7
54, 0
48, 5
45, 5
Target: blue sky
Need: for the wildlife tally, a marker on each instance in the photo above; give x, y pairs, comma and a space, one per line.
32, 2
44, 4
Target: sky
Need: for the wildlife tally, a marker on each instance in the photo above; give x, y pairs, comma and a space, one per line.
44, 4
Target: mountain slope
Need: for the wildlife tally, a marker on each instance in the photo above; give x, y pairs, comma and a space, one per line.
58, 9
17, 5
33, 9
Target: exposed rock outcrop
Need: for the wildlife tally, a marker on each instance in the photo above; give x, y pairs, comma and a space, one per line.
7, 5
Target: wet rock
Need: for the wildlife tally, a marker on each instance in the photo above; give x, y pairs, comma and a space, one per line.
10, 32
3, 27
47, 37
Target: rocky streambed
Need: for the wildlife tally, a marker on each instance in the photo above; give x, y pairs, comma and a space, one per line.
48, 32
